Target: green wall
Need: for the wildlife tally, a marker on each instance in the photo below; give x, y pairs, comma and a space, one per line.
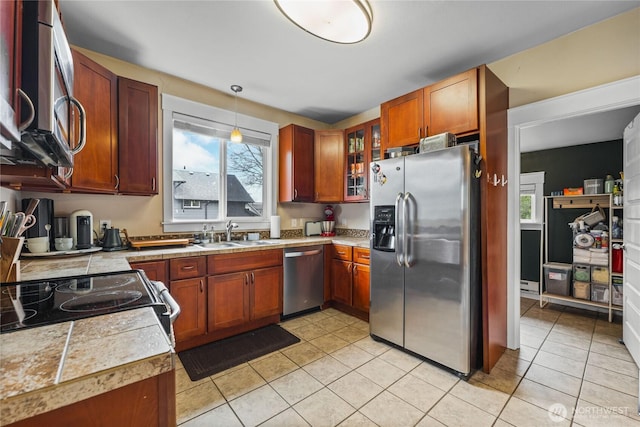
564, 167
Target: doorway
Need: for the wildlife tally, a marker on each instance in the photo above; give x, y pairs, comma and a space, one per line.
524, 122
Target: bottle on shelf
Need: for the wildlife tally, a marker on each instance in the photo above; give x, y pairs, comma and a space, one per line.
616, 228
608, 184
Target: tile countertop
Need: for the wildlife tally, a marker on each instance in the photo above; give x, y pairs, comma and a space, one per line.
52, 366
104, 262
45, 368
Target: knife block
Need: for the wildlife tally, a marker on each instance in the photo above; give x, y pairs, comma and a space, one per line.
9, 254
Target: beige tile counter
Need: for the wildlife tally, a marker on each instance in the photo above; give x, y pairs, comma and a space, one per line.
104, 262
52, 366
48, 367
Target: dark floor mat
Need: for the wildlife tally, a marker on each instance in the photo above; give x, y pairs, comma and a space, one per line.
217, 356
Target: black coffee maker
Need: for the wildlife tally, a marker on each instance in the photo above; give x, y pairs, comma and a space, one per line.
384, 228
44, 217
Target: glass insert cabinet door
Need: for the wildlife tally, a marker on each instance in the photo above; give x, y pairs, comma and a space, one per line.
374, 128
357, 164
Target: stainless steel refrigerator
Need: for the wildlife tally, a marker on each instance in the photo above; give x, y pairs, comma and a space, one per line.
425, 266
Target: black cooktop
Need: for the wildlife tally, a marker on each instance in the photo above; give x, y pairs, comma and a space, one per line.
41, 302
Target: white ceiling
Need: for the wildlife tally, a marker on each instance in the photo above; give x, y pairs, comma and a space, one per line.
412, 44
588, 128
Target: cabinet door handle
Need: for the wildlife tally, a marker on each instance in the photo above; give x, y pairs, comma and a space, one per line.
355, 270
188, 267
201, 286
153, 184
117, 182
246, 279
295, 194
364, 256
341, 253
253, 278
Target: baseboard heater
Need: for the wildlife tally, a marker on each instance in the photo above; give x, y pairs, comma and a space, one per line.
529, 286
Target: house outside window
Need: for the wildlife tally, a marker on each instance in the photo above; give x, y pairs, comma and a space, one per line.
209, 179
190, 204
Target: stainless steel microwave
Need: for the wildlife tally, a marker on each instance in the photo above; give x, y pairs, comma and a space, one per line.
47, 80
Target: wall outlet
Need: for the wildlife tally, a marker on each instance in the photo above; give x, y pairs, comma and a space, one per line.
343, 222
294, 222
104, 224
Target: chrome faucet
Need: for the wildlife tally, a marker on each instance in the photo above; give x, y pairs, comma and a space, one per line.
230, 226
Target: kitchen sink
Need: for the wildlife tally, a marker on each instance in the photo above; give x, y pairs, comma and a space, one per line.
219, 245
253, 242
236, 244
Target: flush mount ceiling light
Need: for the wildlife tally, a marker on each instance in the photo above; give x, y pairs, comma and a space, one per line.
236, 135
339, 21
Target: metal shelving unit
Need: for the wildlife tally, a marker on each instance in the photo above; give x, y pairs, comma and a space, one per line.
587, 201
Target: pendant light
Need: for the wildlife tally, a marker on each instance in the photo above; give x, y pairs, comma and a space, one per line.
236, 135
339, 21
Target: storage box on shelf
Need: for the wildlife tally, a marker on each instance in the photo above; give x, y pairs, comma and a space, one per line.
593, 283
557, 278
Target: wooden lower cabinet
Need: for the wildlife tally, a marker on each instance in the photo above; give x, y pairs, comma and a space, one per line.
234, 293
191, 297
361, 294
154, 270
150, 402
341, 285
265, 298
349, 281
228, 300
237, 298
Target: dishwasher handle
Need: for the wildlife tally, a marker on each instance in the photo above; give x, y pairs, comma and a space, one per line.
300, 254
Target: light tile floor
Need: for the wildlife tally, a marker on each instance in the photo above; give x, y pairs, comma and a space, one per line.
570, 370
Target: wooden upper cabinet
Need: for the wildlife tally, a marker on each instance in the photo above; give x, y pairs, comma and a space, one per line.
96, 166
328, 165
362, 144
451, 105
401, 120
137, 137
296, 164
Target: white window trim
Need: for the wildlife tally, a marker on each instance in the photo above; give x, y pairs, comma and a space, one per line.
173, 104
195, 205
536, 179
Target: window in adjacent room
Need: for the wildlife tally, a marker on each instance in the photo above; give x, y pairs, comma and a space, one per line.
207, 177
531, 202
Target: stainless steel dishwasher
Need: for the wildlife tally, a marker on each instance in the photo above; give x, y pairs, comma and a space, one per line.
303, 279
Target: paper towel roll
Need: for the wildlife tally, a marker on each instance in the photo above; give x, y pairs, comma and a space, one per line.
275, 227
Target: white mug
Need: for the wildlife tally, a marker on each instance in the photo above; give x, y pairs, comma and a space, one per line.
63, 243
37, 245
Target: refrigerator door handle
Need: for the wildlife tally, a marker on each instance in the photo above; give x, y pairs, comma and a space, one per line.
405, 230
399, 257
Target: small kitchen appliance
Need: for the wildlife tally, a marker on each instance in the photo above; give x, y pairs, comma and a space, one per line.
81, 226
112, 241
34, 303
329, 223
44, 215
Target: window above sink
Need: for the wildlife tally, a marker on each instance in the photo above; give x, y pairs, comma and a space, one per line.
207, 178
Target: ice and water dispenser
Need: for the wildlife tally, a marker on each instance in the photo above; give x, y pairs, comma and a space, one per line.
384, 228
